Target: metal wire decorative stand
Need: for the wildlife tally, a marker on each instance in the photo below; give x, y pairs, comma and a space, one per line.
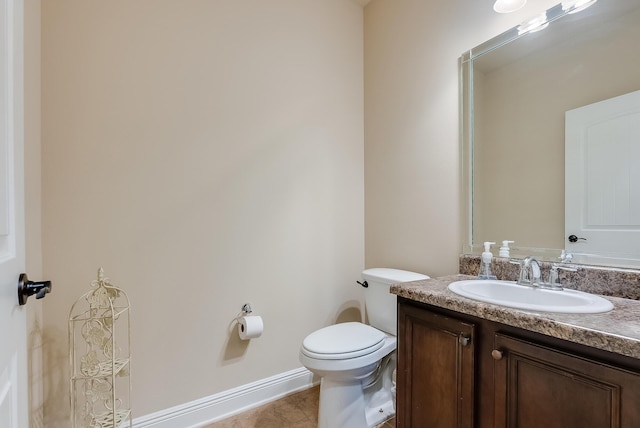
100, 357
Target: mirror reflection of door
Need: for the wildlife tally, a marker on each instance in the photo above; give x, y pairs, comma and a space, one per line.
602, 176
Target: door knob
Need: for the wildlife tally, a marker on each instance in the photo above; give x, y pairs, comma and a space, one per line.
28, 288
496, 354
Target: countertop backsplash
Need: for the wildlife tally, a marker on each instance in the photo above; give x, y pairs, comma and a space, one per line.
606, 281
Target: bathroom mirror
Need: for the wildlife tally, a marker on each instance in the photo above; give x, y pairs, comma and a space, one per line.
515, 92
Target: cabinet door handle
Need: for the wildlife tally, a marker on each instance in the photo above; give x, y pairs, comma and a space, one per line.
496, 354
464, 340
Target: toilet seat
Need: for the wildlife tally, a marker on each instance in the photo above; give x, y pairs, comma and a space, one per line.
343, 341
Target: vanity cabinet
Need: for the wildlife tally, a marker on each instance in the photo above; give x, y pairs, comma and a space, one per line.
537, 386
459, 371
435, 376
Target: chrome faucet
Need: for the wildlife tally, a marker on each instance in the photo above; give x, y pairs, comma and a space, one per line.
530, 272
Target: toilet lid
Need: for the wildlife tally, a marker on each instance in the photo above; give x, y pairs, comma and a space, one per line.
345, 340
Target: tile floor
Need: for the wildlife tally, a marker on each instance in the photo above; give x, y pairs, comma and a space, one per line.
299, 410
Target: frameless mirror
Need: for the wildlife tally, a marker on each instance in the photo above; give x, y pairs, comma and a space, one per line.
518, 92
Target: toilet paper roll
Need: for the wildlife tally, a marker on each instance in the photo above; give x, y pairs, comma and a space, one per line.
250, 327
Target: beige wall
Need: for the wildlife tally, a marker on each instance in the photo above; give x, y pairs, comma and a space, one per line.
33, 205
206, 154
411, 125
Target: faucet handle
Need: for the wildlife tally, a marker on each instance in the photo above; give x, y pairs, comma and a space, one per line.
521, 273
553, 275
558, 266
565, 257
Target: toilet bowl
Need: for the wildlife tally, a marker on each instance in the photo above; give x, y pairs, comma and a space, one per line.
356, 361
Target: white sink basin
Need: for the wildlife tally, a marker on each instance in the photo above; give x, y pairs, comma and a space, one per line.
507, 293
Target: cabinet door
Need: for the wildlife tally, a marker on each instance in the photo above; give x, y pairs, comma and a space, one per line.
539, 387
435, 370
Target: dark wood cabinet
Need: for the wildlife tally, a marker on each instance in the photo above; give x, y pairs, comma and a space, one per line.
460, 371
435, 370
537, 386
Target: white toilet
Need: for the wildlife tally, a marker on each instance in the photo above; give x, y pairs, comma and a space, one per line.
356, 362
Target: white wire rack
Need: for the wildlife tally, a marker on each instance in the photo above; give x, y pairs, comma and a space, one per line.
100, 357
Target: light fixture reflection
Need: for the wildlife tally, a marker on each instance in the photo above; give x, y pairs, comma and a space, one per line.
508, 6
536, 24
575, 6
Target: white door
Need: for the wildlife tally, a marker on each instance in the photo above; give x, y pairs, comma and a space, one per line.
13, 349
602, 177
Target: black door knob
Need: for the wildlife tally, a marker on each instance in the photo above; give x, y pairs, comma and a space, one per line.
574, 238
28, 288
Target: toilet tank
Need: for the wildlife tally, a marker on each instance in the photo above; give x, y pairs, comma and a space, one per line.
379, 302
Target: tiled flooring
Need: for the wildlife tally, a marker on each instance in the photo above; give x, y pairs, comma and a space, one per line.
295, 411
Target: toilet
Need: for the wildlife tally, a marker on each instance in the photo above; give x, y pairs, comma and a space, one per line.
356, 362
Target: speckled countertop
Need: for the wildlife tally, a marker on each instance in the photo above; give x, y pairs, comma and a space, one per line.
615, 331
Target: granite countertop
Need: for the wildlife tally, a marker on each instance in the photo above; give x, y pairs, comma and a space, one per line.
616, 331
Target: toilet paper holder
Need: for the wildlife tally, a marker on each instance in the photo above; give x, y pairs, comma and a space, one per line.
246, 310
249, 326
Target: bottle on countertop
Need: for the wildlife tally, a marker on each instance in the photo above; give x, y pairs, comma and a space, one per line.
504, 250
485, 266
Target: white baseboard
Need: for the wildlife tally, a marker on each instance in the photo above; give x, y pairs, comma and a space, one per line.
227, 403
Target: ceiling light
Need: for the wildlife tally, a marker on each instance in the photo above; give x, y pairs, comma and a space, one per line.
508, 6
575, 6
536, 24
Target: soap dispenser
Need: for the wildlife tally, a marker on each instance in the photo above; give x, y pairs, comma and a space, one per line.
485, 266
504, 250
